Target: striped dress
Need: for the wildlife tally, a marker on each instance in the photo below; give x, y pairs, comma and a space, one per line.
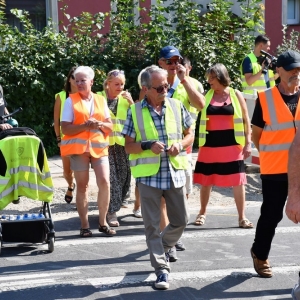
220, 160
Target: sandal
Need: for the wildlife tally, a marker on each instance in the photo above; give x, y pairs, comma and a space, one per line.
246, 224
107, 230
68, 198
112, 219
200, 220
85, 232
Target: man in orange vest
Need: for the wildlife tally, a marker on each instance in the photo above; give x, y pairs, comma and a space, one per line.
275, 120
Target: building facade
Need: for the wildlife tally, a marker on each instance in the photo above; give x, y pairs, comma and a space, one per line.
277, 13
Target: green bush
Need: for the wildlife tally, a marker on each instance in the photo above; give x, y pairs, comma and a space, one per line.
33, 64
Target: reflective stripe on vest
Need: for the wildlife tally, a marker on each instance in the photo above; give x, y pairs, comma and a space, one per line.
118, 120
97, 139
181, 94
23, 175
260, 84
62, 96
147, 163
238, 124
278, 133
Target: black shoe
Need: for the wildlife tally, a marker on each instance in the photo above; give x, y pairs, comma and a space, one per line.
162, 281
16, 201
179, 245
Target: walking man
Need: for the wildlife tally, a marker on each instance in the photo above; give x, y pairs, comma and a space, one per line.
157, 131
275, 120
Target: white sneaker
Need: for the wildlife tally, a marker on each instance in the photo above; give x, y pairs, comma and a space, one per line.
137, 213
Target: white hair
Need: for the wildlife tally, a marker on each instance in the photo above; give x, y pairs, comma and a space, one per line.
146, 75
145, 70
88, 71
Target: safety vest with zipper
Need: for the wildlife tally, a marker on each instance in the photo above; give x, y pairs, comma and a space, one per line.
25, 170
278, 132
260, 84
118, 120
96, 139
147, 163
238, 124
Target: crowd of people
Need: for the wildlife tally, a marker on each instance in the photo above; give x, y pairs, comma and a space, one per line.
157, 132
151, 140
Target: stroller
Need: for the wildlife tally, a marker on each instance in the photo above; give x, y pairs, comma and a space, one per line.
24, 171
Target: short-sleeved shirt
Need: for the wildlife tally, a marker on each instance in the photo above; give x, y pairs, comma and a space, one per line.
166, 172
68, 111
257, 119
247, 66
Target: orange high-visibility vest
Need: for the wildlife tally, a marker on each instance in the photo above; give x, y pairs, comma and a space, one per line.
278, 133
98, 141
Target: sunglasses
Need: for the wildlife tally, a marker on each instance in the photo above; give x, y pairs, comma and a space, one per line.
173, 61
116, 73
160, 89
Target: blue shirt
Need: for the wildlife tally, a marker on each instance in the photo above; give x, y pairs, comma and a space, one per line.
166, 172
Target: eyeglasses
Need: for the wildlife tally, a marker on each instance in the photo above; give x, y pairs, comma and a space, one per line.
116, 73
173, 61
211, 78
160, 89
73, 77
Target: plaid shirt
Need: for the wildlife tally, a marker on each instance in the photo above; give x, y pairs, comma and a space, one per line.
166, 172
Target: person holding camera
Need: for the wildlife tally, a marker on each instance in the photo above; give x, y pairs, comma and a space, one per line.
3, 111
274, 125
256, 69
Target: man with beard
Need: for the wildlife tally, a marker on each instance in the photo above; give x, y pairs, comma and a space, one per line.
275, 120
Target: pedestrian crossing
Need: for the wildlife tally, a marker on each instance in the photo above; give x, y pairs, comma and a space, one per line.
108, 267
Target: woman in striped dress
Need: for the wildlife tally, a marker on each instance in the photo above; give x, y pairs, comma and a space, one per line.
225, 141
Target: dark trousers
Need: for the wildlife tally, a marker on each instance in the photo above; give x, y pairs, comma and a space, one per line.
271, 213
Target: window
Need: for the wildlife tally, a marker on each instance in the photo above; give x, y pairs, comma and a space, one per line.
36, 9
292, 12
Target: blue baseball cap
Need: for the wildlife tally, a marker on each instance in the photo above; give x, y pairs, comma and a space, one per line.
168, 52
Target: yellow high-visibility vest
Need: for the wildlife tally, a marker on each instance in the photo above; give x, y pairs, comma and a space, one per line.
118, 120
147, 163
27, 171
259, 85
238, 125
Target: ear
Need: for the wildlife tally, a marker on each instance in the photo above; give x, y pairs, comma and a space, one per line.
160, 62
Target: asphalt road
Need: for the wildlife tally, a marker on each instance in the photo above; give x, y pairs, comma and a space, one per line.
215, 265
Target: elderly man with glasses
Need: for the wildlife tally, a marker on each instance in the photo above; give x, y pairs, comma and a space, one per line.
157, 131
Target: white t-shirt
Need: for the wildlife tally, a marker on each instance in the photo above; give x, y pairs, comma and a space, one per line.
68, 111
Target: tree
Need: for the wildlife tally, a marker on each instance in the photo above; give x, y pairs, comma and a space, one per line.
34, 64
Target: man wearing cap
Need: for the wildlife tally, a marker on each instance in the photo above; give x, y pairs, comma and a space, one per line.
274, 123
181, 88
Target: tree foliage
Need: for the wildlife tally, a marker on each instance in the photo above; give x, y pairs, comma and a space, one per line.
34, 64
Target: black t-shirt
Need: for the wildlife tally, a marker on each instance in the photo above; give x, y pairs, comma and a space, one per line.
257, 119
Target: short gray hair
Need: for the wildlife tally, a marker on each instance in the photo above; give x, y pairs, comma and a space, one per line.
88, 71
146, 75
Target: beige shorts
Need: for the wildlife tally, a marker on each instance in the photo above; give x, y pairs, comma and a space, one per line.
82, 162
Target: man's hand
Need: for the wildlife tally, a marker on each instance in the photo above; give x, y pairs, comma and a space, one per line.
5, 126
158, 147
292, 209
174, 149
181, 71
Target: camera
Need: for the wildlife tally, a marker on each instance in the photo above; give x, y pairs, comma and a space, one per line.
269, 60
